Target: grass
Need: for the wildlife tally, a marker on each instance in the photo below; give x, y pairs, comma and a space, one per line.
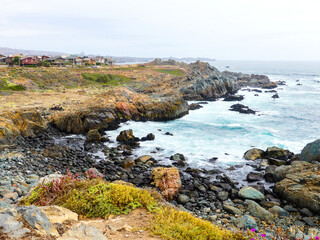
109, 79
175, 72
94, 197
6, 85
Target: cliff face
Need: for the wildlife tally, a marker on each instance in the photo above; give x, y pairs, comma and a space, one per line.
208, 83
105, 111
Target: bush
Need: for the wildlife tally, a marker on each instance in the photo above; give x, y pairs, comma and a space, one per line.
170, 223
91, 197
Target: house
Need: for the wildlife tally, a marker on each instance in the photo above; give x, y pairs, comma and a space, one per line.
56, 60
2, 56
44, 57
109, 61
88, 61
29, 60
99, 60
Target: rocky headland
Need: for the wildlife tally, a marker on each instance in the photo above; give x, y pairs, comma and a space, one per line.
37, 141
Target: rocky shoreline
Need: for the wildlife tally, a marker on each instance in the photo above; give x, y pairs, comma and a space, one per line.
29, 150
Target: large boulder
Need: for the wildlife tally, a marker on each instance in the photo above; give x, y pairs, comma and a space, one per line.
57, 214
246, 222
253, 154
250, 193
83, 232
127, 138
259, 212
69, 123
278, 153
167, 180
311, 152
300, 185
93, 136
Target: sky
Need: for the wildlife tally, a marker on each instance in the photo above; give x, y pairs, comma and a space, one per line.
220, 29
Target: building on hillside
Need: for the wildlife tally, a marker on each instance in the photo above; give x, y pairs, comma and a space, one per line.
88, 61
2, 56
44, 58
58, 61
33, 60
99, 60
109, 61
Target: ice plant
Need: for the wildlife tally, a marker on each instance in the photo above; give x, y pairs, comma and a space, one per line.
263, 235
253, 230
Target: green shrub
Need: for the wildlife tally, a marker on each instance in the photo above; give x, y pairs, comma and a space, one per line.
109, 79
175, 72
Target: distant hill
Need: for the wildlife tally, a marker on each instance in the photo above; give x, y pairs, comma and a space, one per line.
12, 51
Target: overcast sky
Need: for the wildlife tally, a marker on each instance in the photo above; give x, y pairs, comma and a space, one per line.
221, 29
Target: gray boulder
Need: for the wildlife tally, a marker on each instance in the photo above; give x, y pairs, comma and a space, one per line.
83, 232
256, 211
250, 193
279, 211
246, 222
232, 210
37, 220
311, 152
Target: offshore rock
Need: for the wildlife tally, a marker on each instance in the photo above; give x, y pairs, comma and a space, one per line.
311, 152
300, 185
242, 109
127, 138
167, 180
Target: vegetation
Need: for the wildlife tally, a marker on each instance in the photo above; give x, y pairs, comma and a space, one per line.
16, 60
91, 197
109, 79
172, 224
175, 72
5, 85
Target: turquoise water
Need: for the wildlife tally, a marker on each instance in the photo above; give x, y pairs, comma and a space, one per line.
213, 131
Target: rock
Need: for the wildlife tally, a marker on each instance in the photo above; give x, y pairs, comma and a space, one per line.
149, 137
290, 208
280, 173
275, 96
311, 152
250, 193
9, 223
37, 220
306, 212
301, 185
276, 162
168, 134
254, 176
231, 209
127, 138
246, 222
49, 178
93, 136
57, 214
276, 210
83, 232
230, 98
258, 212
144, 159
69, 123
309, 221
223, 196
270, 85
242, 109
253, 154
269, 204
278, 153
128, 162
183, 199
195, 106
167, 180
177, 157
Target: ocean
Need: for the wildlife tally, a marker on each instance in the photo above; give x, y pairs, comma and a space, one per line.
289, 122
